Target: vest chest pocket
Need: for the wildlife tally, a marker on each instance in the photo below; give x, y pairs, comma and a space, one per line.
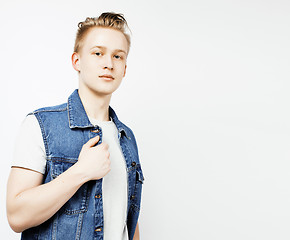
136, 198
78, 203
139, 176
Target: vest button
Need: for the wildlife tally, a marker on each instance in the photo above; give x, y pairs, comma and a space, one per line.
95, 130
132, 197
98, 196
99, 229
133, 164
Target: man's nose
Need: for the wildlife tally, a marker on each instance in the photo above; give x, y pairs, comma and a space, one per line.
108, 63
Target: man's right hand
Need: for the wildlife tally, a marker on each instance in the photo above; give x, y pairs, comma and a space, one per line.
30, 203
94, 161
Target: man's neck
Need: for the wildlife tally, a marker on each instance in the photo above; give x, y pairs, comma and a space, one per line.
96, 106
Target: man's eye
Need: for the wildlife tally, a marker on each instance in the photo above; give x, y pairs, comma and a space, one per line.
98, 54
117, 56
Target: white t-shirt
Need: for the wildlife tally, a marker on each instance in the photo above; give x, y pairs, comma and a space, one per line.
29, 152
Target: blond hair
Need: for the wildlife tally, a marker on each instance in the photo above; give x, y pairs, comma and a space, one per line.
107, 20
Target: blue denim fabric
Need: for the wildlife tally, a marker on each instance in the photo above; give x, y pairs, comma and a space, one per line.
65, 128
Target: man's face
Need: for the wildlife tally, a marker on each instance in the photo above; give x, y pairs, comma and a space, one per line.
104, 52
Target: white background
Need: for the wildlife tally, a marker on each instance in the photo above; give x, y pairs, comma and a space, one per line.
206, 94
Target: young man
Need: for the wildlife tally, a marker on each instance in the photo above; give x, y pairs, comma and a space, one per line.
76, 172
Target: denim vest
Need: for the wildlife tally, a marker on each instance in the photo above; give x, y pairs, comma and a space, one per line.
65, 128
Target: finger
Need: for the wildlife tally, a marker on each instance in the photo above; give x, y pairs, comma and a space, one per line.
93, 141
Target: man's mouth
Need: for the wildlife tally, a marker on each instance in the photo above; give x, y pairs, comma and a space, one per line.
107, 77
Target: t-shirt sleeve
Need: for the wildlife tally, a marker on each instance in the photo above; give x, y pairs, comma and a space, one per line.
29, 151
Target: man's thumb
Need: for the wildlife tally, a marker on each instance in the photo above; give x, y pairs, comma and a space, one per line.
93, 141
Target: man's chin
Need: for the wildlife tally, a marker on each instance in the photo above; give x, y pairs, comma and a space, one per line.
104, 92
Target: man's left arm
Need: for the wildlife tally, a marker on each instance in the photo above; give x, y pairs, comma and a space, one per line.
136, 234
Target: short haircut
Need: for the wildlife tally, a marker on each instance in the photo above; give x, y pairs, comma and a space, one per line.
107, 20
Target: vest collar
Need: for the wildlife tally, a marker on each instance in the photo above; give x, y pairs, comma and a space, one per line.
78, 117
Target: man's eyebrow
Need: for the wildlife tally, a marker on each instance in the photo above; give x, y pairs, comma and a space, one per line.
116, 50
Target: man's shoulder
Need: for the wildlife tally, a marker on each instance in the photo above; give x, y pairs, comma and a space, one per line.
128, 130
56, 108
50, 115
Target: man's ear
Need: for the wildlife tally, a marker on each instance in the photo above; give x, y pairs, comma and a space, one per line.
75, 59
125, 70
